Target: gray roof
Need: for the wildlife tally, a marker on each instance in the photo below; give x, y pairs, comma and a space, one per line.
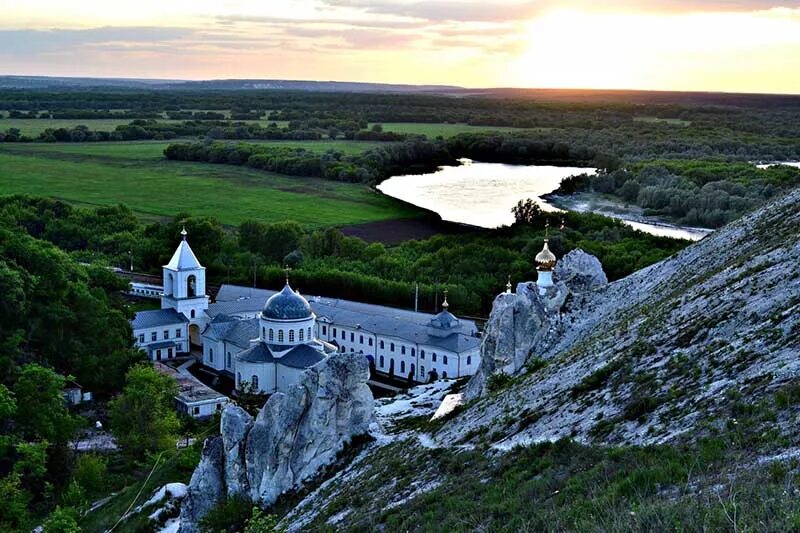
232, 330
156, 318
183, 258
300, 356
412, 326
286, 305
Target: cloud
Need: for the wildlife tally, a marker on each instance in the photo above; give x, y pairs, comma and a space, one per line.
445, 10
29, 42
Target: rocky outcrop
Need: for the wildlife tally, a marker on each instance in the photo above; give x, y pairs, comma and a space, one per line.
580, 272
526, 322
294, 436
206, 488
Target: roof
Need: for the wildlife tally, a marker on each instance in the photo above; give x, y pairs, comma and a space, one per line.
156, 318
162, 344
386, 321
191, 389
300, 356
232, 330
183, 258
286, 305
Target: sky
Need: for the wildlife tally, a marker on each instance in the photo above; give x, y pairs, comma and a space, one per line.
708, 45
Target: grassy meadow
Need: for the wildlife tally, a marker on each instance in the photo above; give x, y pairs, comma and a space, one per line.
136, 174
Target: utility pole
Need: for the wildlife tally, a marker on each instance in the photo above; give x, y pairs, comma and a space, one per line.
254, 272
130, 254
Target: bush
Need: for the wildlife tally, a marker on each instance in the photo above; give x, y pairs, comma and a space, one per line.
499, 381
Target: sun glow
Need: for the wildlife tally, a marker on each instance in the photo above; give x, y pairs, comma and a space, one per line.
688, 51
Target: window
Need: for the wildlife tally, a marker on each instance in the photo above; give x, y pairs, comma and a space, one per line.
238, 379
280, 335
422, 371
381, 345
469, 360
422, 354
309, 333
178, 333
391, 347
169, 353
192, 313
444, 374
334, 333
141, 338
271, 334
433, 357
196, 410
229, 359
291, 335
352, 337
158, 355
381, 361
403, 350
413, 352
263, 332
444, 359
343, 334
255, 382
211, 355
403, 366
352, 349
370, 341
302, 335
153, 336
166, 334
324, 330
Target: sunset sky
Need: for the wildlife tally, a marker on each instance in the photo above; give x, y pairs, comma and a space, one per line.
724, 45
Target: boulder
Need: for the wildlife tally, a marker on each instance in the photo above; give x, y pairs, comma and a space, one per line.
294, 436
206, 488
580, 272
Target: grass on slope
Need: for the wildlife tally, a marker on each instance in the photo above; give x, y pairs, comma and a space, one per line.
137, 175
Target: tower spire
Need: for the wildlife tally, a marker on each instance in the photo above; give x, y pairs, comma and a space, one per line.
508, 285
287, 269
445, 305
184, 233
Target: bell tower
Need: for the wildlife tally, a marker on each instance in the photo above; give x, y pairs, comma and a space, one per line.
185, 283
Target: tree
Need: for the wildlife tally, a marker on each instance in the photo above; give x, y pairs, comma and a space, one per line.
526, 211
143, 416
41, 414
62, 520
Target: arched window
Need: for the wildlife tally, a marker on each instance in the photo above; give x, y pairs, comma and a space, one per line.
413, 352
391, 347
324, 330
381, 361
370, 341
403, 367
433, 357
444, 359
238, 379
271, 334
255, 382
302, 335
192, 313
229, 359
422, 354
280, 335
334, 333
469, 360
170, 284
343, 334
381, 345
344, 348
444, 374
422, 371
211, 355
291, 335
191, 286
263, 332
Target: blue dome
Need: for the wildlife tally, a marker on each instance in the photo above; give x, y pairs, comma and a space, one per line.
286, 305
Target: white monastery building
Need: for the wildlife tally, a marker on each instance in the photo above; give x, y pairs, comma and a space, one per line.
264, 339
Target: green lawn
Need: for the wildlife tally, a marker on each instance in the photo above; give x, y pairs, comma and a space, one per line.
137, 175
445, 130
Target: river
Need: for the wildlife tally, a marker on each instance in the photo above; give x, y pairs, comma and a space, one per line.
482, 194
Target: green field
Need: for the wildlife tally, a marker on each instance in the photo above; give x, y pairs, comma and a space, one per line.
34, 126
659, 120
137, 175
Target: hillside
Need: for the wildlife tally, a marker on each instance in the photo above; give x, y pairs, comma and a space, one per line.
696, 357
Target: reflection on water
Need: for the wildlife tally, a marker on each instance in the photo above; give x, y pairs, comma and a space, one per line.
482, 194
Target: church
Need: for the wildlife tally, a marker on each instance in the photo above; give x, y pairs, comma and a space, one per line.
265, 339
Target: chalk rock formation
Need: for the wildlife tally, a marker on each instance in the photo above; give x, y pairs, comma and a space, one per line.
294, 435
206, 488
526, 323
580, 271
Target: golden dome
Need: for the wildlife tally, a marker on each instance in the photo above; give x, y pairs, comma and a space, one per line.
545, 260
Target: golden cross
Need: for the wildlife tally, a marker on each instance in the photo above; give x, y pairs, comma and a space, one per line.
287, 269
547, 228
